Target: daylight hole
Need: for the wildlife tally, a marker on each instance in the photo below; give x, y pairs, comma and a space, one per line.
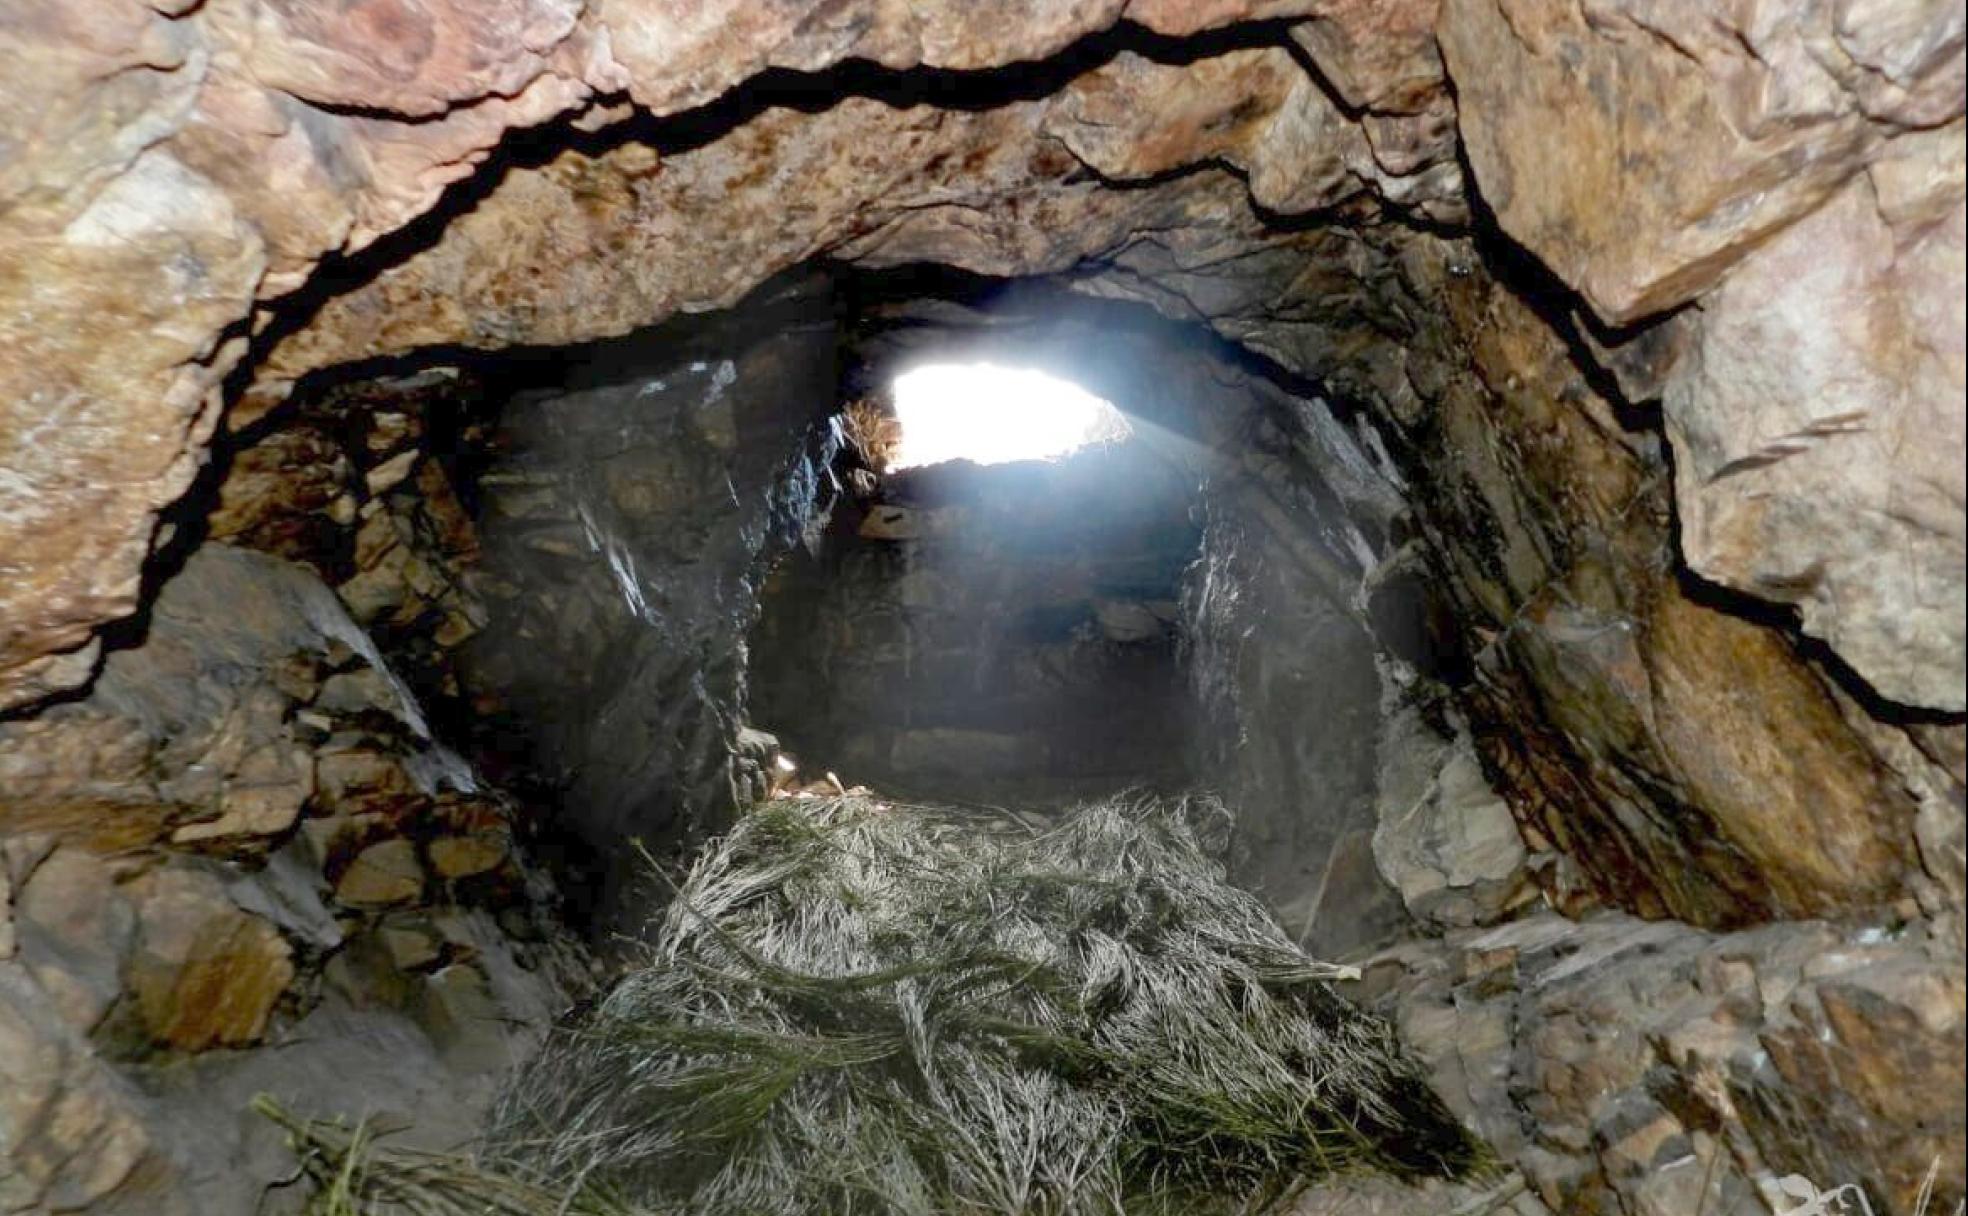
989, 414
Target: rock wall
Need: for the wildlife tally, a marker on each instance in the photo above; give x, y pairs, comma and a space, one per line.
289, 141
1285, 666
560, 552
1704, 803
1538, 504
241, 865
178, 168
1801, 172
627, 521
1663, 748
1656, 1069
245, 863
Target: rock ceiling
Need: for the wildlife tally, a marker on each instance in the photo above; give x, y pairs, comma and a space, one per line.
178, 179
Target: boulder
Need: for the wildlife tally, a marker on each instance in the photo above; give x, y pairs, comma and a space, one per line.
74, 928
204, 973
1451, 847
1818, 424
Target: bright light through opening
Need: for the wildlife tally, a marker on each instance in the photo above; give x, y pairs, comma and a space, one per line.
993, 415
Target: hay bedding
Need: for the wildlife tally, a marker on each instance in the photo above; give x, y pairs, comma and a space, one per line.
860, 1007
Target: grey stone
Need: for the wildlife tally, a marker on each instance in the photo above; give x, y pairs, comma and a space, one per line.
1641, 1064
1451, 847
288, 891
71, 1131
74, 930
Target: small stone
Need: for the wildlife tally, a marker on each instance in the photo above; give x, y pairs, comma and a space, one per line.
524, 502
377, 538
389, 429
323, 834
1453, 850
359, 780
422, 578
353, 692
1127, 621
411, 947
1640, 1150
262, 798
890, 523
464, 1019
443, 515
387, 475
556, 543
457, 627
455, 857
384, 873
296, 677
249, 812
378, 588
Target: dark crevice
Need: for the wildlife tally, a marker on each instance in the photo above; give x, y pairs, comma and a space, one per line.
1310, 66
944, 88
1562, 309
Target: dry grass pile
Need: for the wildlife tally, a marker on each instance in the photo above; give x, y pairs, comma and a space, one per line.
874, 431
857, 1007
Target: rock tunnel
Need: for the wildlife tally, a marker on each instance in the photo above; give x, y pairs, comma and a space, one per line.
449, 483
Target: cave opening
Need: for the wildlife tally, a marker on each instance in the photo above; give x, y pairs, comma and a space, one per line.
990, 611
986, 414
643, 582
667, 588
522, 620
